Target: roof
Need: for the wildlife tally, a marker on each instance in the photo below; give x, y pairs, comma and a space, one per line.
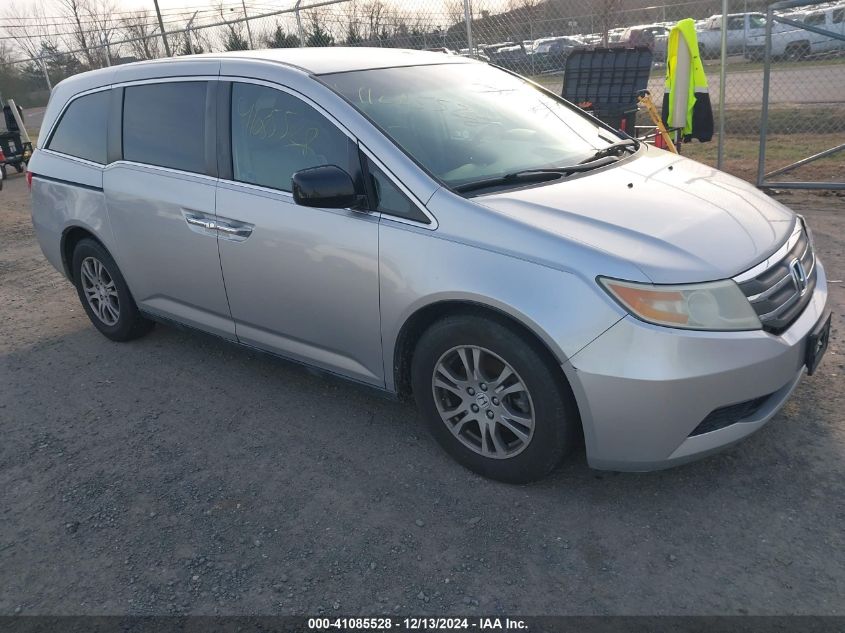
338, 59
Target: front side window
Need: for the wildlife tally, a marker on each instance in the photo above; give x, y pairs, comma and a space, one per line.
164, 125
83, 127
275, 134
467, 122
756, 21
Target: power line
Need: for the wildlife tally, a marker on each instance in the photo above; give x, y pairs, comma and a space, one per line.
67, 20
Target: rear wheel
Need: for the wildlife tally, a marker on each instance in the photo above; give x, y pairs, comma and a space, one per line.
493, 398
798, 51
104, 294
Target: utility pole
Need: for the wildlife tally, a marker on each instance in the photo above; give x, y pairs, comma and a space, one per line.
248, 29
720, 150
163, 34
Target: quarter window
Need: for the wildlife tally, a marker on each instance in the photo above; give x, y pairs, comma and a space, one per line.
274, 134
82, 129
164, 125
390, 199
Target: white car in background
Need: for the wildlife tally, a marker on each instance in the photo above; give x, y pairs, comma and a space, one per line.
796, 43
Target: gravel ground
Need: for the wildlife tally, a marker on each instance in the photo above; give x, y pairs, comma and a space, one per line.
180, 474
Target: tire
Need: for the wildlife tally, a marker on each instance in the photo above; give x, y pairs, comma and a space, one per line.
797, 52
118, 317
545, 396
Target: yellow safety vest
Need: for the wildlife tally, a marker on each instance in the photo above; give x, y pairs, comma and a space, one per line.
698, 80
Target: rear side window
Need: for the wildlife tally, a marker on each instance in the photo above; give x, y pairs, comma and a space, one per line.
814, 19
164, 125
82, 129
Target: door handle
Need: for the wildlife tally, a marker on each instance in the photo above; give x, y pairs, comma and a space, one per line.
200, 222
235, 231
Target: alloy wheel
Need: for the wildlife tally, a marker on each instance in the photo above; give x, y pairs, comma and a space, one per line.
483, 401
100, 290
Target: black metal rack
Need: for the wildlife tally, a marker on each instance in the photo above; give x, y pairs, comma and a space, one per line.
606, 82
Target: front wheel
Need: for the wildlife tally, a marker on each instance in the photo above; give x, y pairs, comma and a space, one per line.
493, 398
104, 294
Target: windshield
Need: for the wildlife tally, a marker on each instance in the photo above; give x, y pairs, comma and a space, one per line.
469, 122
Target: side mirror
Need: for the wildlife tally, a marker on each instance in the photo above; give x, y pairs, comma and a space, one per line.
326, 186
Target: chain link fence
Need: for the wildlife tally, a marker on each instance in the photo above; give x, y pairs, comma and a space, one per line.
806, 98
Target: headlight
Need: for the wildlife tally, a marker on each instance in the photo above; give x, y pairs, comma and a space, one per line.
716, 305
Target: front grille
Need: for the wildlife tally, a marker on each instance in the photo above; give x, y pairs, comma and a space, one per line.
776, 291
725, 416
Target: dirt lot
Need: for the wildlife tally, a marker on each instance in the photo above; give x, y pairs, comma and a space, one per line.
179, 474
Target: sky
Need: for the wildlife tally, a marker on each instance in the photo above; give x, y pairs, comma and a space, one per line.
179, 11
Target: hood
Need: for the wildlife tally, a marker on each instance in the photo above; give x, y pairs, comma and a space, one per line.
676, 220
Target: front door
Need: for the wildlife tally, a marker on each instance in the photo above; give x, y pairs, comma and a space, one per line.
301, 282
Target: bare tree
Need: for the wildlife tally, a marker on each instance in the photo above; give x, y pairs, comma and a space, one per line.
232, 33
375, 13
142, 29
455, 11
75, 11
607, 14
104, 26
29, 27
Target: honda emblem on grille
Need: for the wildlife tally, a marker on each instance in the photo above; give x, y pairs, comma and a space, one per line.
799, 275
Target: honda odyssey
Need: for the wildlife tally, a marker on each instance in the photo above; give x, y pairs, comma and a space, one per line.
440, 229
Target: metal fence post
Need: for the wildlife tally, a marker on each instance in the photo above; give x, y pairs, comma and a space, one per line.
468, 18
46, 75
106, 49
764, 114
189, 32
163, 33
248, 29
299, 24
720, 151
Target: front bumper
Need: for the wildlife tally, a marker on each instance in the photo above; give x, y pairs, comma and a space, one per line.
642, 390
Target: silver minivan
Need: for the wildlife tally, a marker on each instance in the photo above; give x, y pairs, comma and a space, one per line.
440, 229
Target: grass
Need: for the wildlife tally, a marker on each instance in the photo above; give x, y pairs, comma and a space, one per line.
741, 152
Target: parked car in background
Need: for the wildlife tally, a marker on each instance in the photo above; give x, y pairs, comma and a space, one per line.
614, 35
433, 227
794, 44
740, 27
550, 53
654, 36
515, 57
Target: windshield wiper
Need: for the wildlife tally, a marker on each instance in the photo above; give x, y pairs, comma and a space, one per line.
614, 149
541, 174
